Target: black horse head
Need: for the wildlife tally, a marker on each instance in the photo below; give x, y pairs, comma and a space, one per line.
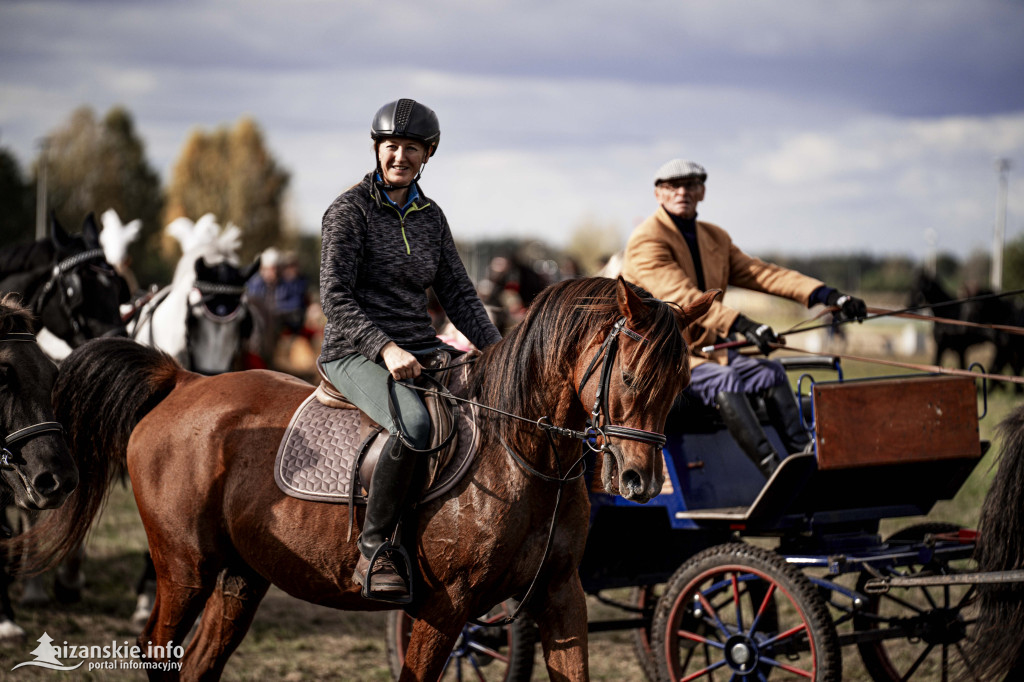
75, 294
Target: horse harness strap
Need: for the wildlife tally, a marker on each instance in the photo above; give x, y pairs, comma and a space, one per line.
605, 356
59, 270
28, 432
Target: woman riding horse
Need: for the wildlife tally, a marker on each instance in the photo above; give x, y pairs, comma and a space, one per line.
384, 245
200, 452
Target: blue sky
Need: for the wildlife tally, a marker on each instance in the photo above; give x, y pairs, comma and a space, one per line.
825, 126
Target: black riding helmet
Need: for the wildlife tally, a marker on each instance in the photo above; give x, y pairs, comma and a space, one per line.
407, 118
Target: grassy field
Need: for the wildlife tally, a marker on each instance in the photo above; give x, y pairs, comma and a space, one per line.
293, 640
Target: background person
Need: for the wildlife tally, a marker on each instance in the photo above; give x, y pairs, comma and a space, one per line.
384, 244
677, 258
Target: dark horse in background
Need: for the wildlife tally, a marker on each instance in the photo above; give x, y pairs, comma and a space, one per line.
67, 283
200, 452
927, 292
74, 295
36, 469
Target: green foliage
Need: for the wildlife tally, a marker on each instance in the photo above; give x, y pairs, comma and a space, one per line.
17, 215
231, 174
96, 165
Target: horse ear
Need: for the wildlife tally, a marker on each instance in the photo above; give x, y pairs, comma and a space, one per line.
58, 234
202, 269
696, 310
91, 231
251, 270
631, 305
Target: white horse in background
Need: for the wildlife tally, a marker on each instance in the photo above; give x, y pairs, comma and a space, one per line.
115, 238
201, 318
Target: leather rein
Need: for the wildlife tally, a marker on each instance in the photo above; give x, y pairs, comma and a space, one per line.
596, 436
29, 432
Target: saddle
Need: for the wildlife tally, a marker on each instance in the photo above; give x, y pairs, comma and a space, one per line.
330, 447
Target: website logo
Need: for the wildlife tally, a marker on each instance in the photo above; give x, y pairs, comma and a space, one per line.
46, 656
113, 656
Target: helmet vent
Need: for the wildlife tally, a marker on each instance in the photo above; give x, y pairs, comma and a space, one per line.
402, 113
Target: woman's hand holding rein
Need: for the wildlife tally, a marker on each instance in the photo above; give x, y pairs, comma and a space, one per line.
401, 363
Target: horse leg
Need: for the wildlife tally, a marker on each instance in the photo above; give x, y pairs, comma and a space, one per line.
226, 618
69, 579
429, 647
145, 593
175, 609
9, 630
562, 625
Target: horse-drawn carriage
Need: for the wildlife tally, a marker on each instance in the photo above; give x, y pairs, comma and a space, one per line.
734, 577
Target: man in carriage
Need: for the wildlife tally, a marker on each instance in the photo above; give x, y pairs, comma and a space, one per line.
677, 258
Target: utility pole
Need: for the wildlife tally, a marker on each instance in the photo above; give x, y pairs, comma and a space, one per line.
1003, 169
44, 157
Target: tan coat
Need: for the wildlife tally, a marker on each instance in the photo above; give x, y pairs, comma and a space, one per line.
658, 259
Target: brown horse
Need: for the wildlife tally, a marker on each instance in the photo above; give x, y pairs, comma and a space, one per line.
200, 452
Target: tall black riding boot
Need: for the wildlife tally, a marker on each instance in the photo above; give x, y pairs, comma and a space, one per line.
745, 428
384, 504
784, 414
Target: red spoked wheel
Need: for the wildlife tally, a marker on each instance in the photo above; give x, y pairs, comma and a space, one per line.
740, 612
492, 652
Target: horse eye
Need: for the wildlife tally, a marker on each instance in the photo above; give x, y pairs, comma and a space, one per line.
628, 378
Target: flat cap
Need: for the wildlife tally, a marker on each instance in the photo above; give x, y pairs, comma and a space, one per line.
679, 168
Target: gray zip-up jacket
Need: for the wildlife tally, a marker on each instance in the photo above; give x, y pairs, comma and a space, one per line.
375, 267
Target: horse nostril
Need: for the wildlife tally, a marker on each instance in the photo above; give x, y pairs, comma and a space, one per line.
631, 483
45, 484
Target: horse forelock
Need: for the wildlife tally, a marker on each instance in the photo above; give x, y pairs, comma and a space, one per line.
13, 316
564, 320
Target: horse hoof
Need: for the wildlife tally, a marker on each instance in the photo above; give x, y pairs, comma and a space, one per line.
11, 632
34, 595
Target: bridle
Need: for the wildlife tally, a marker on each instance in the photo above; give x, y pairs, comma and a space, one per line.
28, 432
599, 425
56, 281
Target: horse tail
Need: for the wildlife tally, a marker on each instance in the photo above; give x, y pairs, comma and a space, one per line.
104, 388
996, 646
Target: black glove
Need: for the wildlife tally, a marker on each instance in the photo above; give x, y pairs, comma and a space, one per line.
850, 307
761, 335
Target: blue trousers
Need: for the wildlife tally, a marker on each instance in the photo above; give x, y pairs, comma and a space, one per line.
743, 374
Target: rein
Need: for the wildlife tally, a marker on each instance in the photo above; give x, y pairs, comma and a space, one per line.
28, 432
596, 429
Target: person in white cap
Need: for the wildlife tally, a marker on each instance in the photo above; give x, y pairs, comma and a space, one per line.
677, 258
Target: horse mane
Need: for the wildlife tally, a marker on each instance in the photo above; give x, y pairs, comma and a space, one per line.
23, 257
996, 645
13, 316
563, 320
104, 388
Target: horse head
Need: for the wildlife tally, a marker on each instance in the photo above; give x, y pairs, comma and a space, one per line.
218, 318
35, 462
81, 298
636, 389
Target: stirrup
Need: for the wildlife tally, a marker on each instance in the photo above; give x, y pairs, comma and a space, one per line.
386, 546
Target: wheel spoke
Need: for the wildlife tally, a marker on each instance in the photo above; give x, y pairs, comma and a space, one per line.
764, 606
706, 671
693, 636
738, 603
967, 662
785, 635
714, 614
917, 663
487, 651
788, 668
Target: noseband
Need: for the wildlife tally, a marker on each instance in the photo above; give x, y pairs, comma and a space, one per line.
600, 426
29, 431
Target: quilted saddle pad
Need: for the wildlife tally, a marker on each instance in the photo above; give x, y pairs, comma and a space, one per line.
318, 457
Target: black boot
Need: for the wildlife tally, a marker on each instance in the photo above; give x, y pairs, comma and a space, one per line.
784, 414
384, 505
745, 428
